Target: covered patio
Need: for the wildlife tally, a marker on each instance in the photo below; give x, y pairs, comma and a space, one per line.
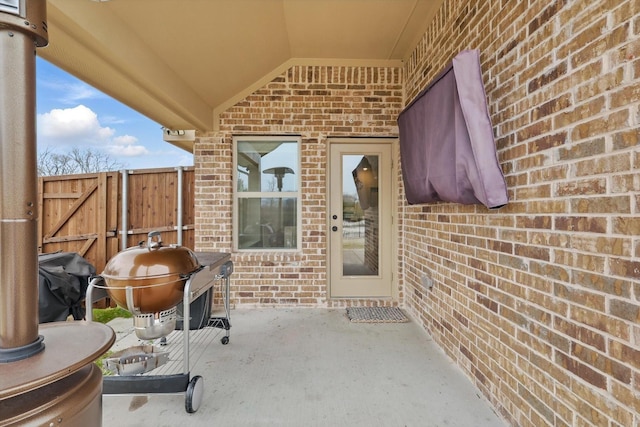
311, 367
533, 307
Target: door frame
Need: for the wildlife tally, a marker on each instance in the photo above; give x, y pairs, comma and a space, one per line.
393, 188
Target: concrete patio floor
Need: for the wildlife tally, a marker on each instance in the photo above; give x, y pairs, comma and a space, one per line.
310, 367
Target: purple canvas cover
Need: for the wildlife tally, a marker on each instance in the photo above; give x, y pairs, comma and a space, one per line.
447, 148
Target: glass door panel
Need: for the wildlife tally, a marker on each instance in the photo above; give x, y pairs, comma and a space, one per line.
360, 223
360, 220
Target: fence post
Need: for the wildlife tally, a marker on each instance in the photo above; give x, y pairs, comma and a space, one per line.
125, 196
179, 219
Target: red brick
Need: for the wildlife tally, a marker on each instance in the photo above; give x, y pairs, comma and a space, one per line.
577, 295
625, 353
580, 333
625, 268
602, 363
577, 224
589, 148
600, 125
581, 370
601, 205
600, 321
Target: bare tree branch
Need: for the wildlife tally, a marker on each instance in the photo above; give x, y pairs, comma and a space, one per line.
77, 161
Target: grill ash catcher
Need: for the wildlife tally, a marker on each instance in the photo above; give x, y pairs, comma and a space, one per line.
153, 281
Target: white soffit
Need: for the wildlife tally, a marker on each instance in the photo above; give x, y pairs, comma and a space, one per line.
180, 61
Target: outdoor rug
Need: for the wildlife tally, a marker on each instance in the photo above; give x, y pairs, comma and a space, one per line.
376, 315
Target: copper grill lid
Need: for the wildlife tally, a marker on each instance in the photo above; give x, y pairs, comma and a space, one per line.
157, 274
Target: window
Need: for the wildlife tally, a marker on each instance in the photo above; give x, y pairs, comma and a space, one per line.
267, 194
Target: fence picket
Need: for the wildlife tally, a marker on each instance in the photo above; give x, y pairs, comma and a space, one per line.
82, 213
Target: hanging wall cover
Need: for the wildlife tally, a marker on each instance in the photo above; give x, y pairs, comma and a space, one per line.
447, 148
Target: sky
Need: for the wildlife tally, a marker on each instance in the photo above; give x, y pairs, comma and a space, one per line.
72, 114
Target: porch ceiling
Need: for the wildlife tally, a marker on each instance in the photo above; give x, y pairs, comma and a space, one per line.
182, 62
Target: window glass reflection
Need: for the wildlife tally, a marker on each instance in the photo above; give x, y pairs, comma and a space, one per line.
267, 223
360, 223
267, 172
267, 166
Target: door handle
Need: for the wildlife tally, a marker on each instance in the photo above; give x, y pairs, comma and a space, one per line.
334, 228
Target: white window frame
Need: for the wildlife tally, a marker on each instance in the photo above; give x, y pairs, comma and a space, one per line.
237, 195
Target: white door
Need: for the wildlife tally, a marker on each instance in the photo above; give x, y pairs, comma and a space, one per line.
360, 218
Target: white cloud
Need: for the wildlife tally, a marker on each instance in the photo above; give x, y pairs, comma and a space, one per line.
125, 140
127, 150
112, 120
78, 92
72, 92
79, 126
125, 146
73, 125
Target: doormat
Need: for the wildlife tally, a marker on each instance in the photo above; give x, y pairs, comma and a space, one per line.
376, 315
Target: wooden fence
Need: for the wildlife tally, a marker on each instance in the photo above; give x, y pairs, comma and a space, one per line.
86, 214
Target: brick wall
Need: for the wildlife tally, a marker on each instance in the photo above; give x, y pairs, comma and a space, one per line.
315, 102
539, 302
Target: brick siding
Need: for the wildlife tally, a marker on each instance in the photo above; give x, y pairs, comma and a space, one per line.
537, 302
316, 102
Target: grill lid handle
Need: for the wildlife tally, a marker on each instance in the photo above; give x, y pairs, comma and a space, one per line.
151, 244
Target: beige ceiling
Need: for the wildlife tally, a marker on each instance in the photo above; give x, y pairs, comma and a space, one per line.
181, 62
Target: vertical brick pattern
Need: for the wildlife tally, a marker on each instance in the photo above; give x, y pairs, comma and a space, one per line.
316, 102
539, 302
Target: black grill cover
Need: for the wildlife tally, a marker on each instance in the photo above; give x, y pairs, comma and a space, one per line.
63, 281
